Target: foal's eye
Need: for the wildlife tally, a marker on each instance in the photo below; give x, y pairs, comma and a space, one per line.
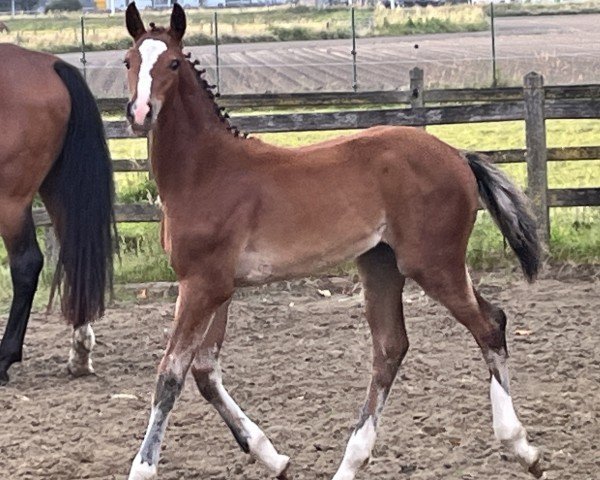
126, 63
174, 65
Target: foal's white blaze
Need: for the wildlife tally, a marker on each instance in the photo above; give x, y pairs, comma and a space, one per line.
150, 50
358, 450
258, 443
507, 426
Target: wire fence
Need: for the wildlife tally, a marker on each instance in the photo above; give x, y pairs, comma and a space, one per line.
355, 62
280, 73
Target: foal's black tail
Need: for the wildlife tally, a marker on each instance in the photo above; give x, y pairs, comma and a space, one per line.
79, 193
509, 208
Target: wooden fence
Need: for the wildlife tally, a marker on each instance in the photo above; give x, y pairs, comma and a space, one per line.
532, 103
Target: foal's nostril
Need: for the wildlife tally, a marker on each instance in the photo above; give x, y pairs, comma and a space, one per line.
149, 114
128, 110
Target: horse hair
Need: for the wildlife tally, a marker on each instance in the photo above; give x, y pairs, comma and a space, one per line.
510, 209
208, 88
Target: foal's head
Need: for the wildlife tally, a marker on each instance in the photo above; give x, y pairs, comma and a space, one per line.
153, 65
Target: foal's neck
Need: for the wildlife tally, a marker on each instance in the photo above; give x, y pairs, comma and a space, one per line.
191, 137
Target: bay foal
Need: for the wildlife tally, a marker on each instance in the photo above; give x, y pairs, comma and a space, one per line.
240, 212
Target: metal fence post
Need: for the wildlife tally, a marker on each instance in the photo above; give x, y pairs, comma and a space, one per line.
493, 31
353, 52
51, 247
83, 60
417, 85
537, 155
217, 67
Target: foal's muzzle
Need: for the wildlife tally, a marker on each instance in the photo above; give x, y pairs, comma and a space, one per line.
139, 128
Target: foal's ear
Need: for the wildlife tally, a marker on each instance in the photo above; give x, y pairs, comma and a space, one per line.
134, 23
178, 22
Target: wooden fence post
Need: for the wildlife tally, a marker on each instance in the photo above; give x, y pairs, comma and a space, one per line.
51, 247
416, 89
537, 155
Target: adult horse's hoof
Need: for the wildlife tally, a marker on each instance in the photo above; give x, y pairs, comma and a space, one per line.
4, 378
80, 369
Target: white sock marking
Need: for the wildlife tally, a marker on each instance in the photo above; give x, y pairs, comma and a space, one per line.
358, 451
507, 427
142, 471
150, 50
83, 342
258, 443
145, 471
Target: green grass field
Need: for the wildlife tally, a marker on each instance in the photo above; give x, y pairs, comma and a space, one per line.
575, 231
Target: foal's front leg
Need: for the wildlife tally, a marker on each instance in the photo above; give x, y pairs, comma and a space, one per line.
193, 317
207, 373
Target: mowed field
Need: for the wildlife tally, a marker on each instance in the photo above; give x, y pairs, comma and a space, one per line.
562, 48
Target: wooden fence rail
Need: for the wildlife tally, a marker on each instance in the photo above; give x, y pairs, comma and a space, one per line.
533, 103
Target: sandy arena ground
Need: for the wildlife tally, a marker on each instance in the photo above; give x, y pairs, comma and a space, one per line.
298, 363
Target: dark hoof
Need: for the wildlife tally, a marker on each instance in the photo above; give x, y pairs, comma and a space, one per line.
536, 470
285, 475
4, 378
80, 372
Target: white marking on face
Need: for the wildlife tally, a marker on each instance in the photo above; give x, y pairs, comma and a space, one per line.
258, 443
150, 50
358, 450
507, 427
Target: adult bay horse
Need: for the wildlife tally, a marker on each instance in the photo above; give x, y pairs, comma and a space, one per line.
53, 143
238, 212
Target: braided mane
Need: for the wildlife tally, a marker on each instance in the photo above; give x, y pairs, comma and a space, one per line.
208, 88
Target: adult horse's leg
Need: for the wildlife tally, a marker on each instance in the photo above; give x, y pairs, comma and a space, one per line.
193, 315
383, 285
207, 373
26, 262
83, 342
83, 339
451, 285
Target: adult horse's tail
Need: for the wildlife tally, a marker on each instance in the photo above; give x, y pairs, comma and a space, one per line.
79, 194
509, 208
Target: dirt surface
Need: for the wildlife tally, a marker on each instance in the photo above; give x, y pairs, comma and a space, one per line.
299, 364
561, 47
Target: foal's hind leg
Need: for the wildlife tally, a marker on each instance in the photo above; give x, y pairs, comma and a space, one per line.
26, 262
487, 323
207, 374
383, 285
